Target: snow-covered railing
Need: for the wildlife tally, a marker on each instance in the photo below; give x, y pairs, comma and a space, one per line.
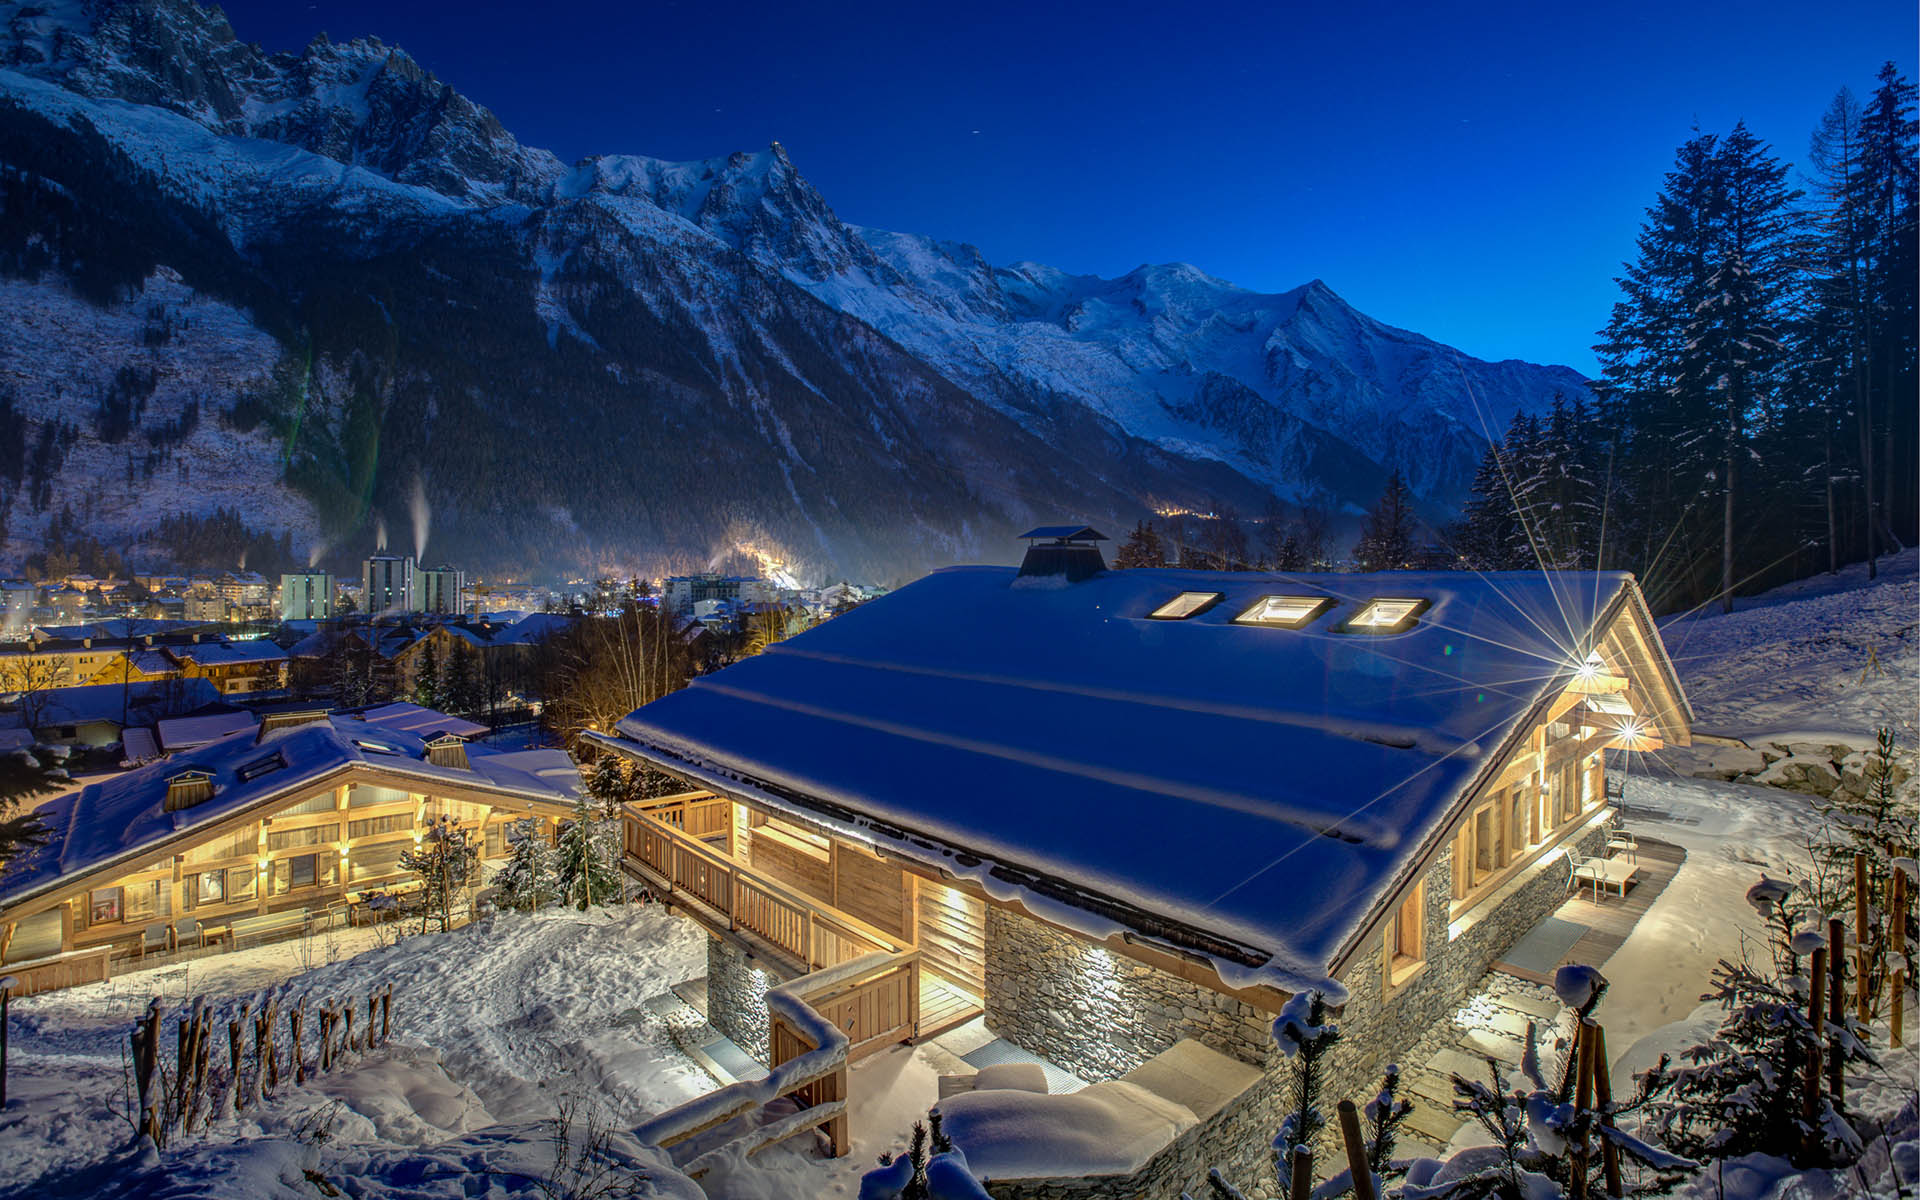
810, 1053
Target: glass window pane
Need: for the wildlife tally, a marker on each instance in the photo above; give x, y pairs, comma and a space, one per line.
1288, 611
1383, 614
1184, 605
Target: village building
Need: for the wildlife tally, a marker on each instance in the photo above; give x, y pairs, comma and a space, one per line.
1125, 815
267, 832
100, 715
386, 583
306, 596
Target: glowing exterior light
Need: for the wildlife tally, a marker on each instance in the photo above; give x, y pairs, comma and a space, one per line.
1185, 605
1385, 615
1286, 612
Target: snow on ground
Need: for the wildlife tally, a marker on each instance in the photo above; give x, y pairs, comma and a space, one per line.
493, 1025
1827, 654
1833, 655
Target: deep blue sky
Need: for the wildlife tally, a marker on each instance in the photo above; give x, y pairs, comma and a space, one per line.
1473, 172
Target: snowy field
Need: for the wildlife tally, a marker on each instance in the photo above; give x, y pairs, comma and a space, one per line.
494, 1025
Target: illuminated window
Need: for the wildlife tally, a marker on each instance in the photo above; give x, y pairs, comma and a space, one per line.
1386, 616
1185, 605
1288, 612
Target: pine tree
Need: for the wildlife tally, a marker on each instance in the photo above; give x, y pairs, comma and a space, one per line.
608, 786
426, 680
1889, 195
460, 691
1303, 1034
528, 880
1141, 549
585, 861
23, 776
1387, 536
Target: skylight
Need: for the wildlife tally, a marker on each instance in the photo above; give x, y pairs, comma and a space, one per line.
1386, 616
260, 766
1185, 605
1287, 612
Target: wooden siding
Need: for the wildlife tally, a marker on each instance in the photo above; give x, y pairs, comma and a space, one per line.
796, 864
953, 934
872, 889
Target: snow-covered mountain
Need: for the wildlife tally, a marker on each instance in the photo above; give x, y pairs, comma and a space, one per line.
329, 281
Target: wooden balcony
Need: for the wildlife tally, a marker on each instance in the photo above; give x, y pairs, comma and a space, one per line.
682, 846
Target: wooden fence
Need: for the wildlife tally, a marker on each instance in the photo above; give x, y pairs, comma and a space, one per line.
58, 971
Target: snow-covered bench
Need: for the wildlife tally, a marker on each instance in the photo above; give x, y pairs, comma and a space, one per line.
1106, 1129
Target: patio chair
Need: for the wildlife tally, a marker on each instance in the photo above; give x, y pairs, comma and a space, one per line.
186, 930
155, 938
1618, 838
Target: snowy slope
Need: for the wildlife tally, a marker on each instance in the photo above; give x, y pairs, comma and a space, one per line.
880, 401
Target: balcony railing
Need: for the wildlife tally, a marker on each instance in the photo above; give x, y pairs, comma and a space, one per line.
664, 838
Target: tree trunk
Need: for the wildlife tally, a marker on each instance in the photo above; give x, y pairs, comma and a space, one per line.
1726, 533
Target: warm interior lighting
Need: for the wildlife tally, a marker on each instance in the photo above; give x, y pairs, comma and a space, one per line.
1385, 615
1185, 605
1288, 612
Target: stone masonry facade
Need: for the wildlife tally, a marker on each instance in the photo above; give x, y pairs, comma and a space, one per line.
1099, 1015
737, 998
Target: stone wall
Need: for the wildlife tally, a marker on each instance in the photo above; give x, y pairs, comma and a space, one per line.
1099, 1014
737, 998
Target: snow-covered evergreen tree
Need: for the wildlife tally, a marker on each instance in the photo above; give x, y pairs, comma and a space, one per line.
587, 859
608, 785
529, 879
1304, 1035
1745, 1090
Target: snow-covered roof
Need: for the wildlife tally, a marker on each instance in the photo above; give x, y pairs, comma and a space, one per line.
1262, 785
423, 721
131, 704
229, 654
122, 821
185, 733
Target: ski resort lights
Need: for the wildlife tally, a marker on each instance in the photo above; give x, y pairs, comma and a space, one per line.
1287, 612
1386, 616
1185, 605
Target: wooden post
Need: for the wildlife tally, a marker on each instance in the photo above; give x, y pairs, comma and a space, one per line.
233, 1058
264, 1076
346, 1016
1897, 949
1583, 1105
1603, 1099
1356, 1151
1817, 1018
183, 1057
373, 1014
1837, 1005
294, 1020
202, 1047
1301, 1184
146, 1053
386, 1013
6, 996
1861, 981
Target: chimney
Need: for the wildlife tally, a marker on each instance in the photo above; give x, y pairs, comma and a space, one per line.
187, 789
1064, 551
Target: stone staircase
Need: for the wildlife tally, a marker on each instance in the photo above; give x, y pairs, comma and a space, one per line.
1491, 1024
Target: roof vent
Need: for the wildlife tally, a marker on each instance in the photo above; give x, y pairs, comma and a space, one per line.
1066, 552
187, 789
